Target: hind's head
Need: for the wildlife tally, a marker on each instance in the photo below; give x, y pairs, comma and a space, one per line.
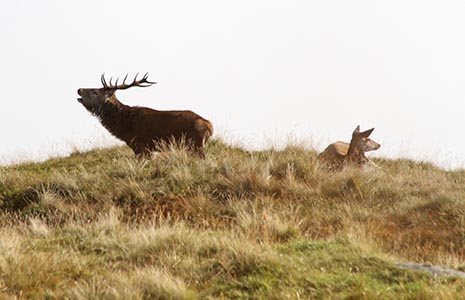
362, 142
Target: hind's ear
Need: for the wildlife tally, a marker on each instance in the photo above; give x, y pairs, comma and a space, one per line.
356, 130
367, 133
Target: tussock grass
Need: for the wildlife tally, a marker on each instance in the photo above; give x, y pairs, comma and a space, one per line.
236, 225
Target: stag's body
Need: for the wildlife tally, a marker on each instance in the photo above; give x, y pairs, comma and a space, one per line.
337, 154
144, 129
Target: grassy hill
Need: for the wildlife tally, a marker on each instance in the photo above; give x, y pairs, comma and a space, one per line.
237, 225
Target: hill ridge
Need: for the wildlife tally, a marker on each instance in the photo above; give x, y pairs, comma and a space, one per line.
269, 224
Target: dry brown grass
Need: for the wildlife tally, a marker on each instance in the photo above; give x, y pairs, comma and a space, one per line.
103, 225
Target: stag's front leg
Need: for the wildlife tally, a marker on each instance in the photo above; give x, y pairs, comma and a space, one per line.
200, 153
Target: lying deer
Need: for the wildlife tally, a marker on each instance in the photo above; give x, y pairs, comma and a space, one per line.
337, 154
144, 129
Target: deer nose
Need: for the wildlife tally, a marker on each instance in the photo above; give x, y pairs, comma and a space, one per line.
79, 92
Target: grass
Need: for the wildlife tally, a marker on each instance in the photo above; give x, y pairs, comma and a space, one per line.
270, 224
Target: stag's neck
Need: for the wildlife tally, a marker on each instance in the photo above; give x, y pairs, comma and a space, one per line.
115, 117
115, 102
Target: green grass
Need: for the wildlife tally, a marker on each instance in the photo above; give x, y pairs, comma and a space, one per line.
268, 224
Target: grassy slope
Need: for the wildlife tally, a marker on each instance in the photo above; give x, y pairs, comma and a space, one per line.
238, 225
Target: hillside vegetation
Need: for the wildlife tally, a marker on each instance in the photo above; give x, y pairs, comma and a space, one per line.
268, 224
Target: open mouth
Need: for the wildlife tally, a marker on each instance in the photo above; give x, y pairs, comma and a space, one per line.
79, 93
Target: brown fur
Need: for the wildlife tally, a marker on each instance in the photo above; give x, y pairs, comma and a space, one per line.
145, 129
337, 154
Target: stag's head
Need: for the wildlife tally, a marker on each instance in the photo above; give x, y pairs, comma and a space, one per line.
362, 141
93, 99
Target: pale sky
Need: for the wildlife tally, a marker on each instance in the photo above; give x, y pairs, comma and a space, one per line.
261, 71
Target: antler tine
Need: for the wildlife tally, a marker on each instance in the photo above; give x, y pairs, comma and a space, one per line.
102, 79
146, 76
144, 79
143, 82
135, 79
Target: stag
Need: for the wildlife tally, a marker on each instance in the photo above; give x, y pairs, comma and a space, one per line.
144, 129
337, 154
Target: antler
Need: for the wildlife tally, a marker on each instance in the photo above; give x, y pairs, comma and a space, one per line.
140, 83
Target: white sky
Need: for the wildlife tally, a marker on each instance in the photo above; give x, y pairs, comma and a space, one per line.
261, 71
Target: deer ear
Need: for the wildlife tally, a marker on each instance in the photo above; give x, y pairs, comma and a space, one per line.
108, 94
367, 133
357, 130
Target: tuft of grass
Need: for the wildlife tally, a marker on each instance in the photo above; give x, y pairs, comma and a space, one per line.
239, 224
